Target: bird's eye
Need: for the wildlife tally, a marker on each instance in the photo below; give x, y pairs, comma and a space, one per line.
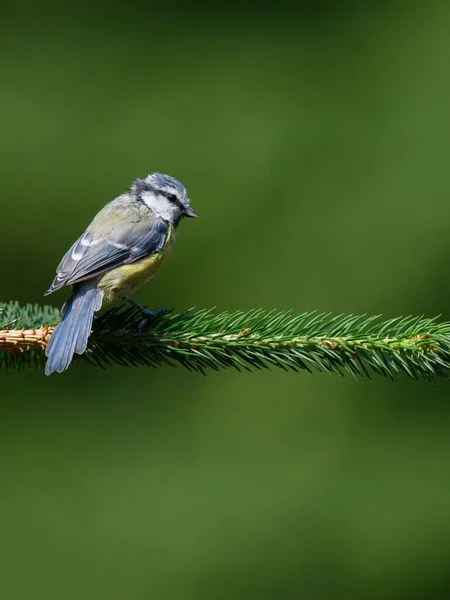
172, 198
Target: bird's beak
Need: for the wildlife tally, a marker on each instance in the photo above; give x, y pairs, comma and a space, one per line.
189, 212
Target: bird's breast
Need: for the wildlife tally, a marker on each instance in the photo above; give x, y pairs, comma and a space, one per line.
123, 280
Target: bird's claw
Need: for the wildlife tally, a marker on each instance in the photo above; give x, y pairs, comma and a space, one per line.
148, 314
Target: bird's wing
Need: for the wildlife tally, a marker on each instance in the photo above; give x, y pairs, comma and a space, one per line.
95, 253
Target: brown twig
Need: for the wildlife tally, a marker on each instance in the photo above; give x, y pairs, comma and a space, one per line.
16, 341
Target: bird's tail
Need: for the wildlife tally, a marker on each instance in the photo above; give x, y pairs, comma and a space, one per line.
72, 332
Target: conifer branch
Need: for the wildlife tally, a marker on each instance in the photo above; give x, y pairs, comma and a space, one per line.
200, 340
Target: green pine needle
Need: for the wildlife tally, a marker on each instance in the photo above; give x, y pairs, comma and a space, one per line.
14, 316
202, 340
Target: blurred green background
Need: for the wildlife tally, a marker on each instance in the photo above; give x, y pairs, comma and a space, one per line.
314, 143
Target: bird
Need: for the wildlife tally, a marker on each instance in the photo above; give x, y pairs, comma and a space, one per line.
123, 247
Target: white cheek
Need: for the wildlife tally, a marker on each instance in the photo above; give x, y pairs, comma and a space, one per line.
161, 206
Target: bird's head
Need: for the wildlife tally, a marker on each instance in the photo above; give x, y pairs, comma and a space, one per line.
165, 196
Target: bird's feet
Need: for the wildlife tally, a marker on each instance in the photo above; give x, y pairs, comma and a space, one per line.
146, 314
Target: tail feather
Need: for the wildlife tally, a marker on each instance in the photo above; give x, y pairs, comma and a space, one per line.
83, 332
72, 332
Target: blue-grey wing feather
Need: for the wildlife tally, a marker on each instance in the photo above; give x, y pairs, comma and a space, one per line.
90, 257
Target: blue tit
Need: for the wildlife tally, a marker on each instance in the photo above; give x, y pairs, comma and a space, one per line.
122, 248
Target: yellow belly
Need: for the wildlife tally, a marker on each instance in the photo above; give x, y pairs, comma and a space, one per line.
122, 281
